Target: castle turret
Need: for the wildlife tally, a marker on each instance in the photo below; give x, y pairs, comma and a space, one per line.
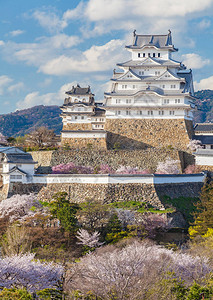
83, 121
151, 99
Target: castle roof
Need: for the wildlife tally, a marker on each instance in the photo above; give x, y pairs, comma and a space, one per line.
204, 127
149, 89
77, 90
157, 41
160, 62
20, 158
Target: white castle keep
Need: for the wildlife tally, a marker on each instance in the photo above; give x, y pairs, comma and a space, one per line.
150, 102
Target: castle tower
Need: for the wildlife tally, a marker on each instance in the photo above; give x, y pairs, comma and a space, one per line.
151, 100
83, 121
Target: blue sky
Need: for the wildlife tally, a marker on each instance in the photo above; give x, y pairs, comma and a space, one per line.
47, 46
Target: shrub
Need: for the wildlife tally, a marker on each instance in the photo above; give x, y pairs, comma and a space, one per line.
15, 294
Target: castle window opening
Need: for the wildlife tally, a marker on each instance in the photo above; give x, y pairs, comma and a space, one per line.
139, 55
153, 54
158, 54
144, 54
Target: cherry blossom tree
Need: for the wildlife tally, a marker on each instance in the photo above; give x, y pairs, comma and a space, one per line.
194, 145
71, 168
41, 137
23, 271
3, 139
87, 239
127, 272
153, 222
21, 207
170, 166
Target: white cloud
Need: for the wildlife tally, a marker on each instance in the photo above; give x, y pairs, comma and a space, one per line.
204, 24
57, 98
35, 98
49, 20
2, 43
4, 82
204, 84
194, 61
38, 53
16, 32
75, 13
95, 59
102, 16
97, 10
16, 87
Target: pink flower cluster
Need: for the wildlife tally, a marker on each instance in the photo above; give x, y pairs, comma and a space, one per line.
192, 169
72, 168
130, 170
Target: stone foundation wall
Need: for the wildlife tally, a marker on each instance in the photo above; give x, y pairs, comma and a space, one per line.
138, 134
144, 159
88, 143
107, 193
43, 158
77, 126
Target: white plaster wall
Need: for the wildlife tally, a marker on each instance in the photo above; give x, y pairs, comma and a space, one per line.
124, 179
204, 160
87, 135
178, 114
164, 53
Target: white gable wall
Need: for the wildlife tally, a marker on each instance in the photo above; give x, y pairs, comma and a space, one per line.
164, 54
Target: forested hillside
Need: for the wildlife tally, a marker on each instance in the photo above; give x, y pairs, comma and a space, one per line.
24, 121
205, 106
